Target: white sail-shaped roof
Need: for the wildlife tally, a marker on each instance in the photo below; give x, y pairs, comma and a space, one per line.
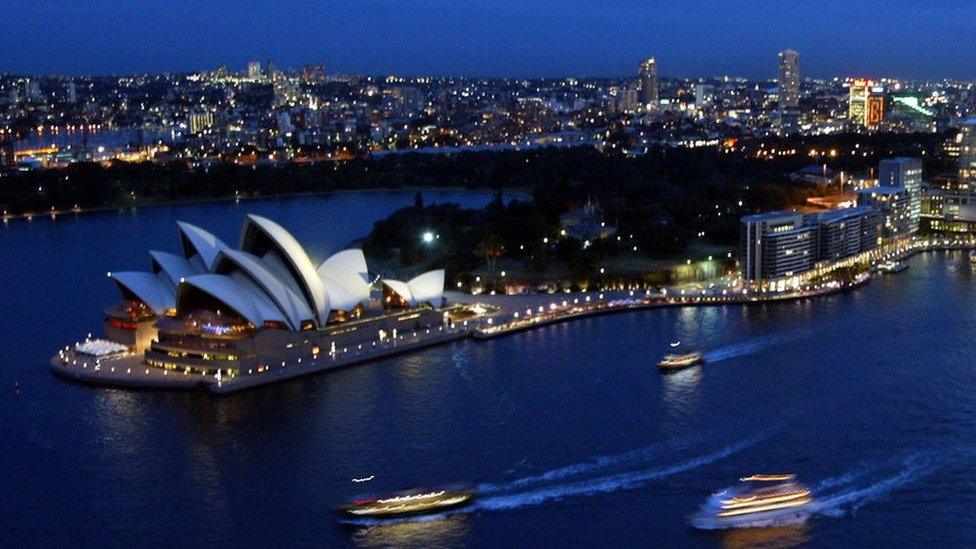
400, 288
146, 287
347, 261
171, 267
251, 305
286, 257
346, 279
428, 287
200, 248
292, 305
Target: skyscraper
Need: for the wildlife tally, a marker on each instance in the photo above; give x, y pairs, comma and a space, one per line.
789, 79
254, 70
967, 151
907, 173
857, 107
647, 74
866, 103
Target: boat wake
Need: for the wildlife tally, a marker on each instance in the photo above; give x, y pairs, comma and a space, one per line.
600, 462
607, 483
911, 469
747, 347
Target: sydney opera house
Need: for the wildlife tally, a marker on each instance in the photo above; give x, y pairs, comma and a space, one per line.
213, 310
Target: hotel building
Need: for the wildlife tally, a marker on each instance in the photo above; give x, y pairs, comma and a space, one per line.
783, 245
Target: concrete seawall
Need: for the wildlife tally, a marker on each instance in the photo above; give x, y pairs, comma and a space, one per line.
130, 372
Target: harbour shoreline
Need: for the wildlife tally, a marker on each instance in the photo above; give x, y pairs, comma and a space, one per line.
109, 371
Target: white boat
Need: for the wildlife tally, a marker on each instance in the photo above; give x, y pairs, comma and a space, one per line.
672, 362
758, 500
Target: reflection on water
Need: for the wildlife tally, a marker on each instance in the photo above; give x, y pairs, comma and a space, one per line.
777, 537
436, 531
680, 398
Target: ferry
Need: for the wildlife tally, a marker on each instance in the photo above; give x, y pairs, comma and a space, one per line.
758, 500
672, 362
410, 502
892, 267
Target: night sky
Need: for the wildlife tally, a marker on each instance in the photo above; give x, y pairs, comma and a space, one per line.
899, 38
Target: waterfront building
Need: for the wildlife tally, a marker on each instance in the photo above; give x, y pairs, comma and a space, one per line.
907, 173
784, 244
215, 310
777, 245
949, 205
789, 79
966, 141
647, 74
846, 232
893, 205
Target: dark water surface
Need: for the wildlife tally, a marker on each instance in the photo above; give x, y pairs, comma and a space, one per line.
573, 436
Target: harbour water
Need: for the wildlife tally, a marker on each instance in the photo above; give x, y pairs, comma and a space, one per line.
569, 431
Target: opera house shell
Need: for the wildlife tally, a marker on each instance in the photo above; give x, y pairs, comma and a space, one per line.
215, 307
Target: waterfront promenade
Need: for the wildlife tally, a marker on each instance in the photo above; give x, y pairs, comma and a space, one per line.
510, 314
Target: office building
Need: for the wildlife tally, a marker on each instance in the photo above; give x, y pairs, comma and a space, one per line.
200, 122
907, 173
704, 95
789, 79
254, 70
966, 141
893, 205
647, 74
866, 103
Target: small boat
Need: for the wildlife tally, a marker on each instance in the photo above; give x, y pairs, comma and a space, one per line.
972, 256
758, 500
672, 362
410, 502
892, 267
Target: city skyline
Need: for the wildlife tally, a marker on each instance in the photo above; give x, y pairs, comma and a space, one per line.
502, 39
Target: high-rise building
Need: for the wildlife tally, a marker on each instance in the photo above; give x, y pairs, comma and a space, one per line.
647, 74
966, 140
866, 103
32, 91
200, 121
907, 173
625, 100
789, 79
254, 70
893, 204
704, 95
71, 93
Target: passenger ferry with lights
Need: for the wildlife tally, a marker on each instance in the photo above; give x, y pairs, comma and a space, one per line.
674, 362
410, 502
758, 500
